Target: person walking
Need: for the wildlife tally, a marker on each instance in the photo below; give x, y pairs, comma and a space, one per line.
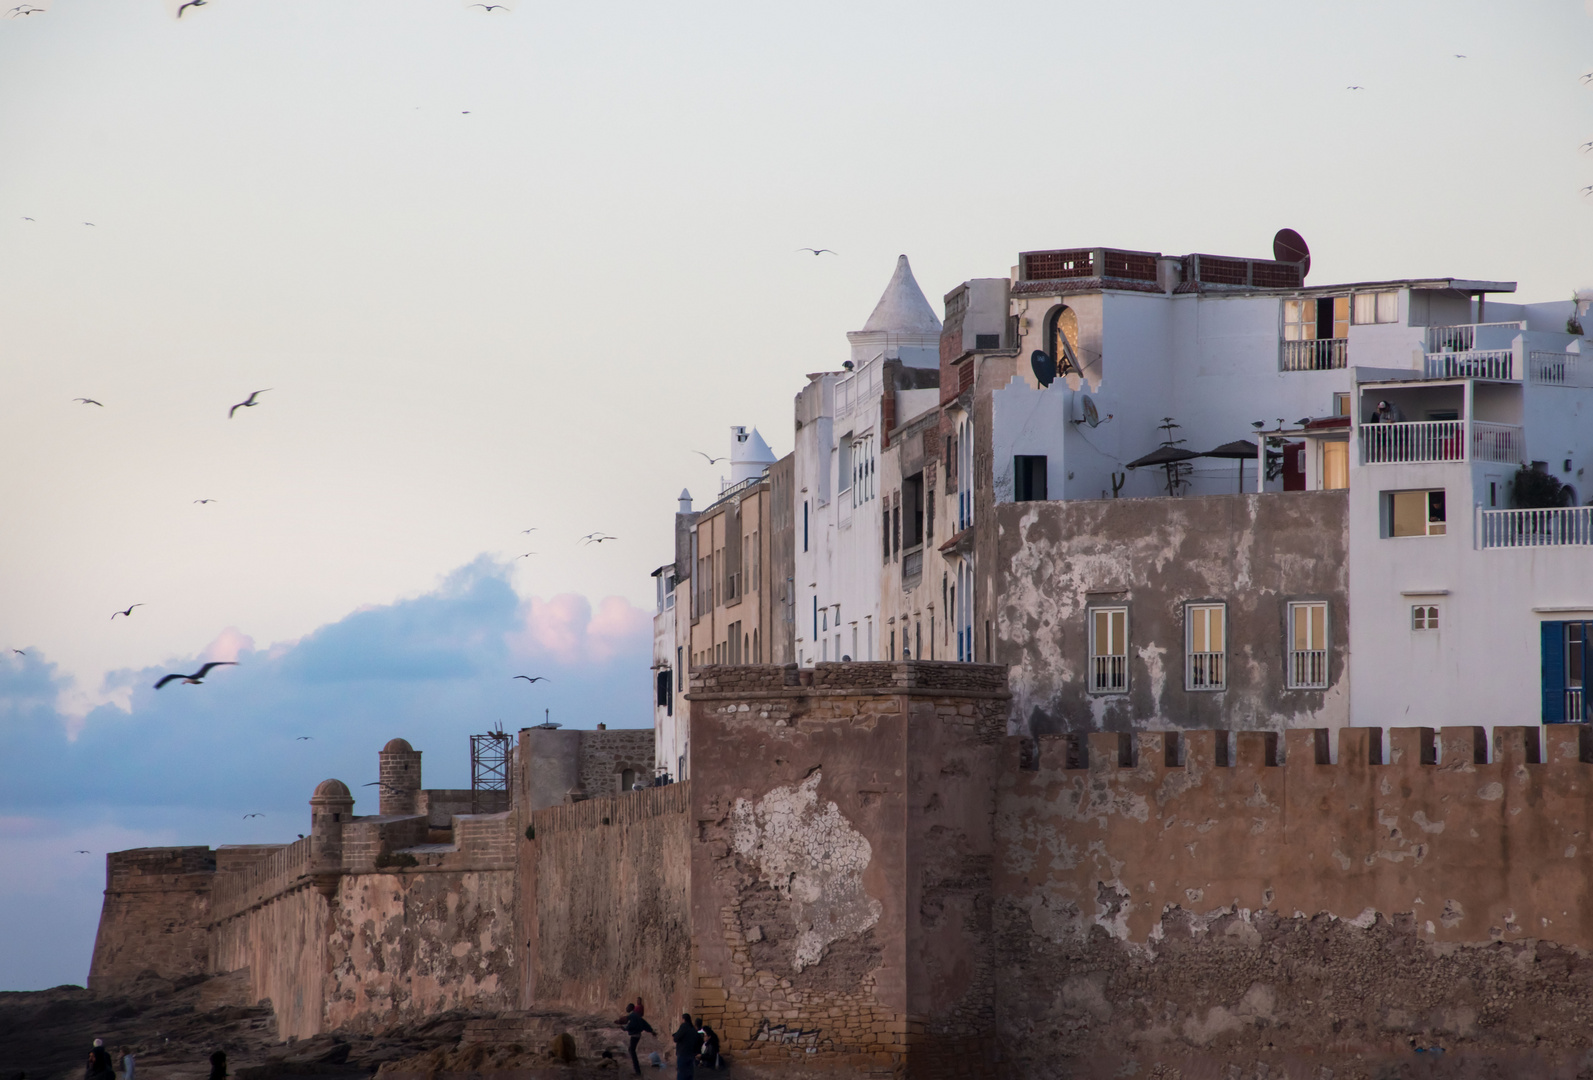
99, 1063
687, 1046
634, 1025
128, 1063
218, 1065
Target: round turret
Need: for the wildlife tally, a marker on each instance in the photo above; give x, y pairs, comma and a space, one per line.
398, 769
331, 807
332, 789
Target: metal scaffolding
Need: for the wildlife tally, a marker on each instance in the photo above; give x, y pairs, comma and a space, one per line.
489, 772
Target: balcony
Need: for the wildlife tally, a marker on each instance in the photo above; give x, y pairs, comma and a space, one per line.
1561, 526
1560, 369
1470, 336
1421, 441
1323, 354
1497, 364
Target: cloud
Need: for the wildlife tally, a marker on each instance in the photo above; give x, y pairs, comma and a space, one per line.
182, 764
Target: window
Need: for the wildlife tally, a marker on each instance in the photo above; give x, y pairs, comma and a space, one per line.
913, 510
965, 505
1567, 656
885, 528
1415, 513
860, 462
627, 779
1341, 404
666, 697
1335, 465
843, 470
896, 525
804, 525
929, 515
1378, 307
815, 617
1109, 650
1308, 646
987, 341
1424, 617
1028, 478
1206, 646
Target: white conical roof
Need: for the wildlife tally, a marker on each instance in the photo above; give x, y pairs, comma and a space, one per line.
903, 309
749, 454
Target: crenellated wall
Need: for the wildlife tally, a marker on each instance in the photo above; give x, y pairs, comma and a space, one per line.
1160, 903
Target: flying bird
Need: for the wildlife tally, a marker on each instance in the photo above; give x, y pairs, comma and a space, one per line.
711, 460
1460, 56
301, 738
532, 529
492, 7
1355, 88
247, 404
89, 401
91, 225
598, 537
199, 676
1587, 146
818, 251
125, 611
1588, 190
82, 851
1588, 78
19, 652
533, 678
527, 555
21, 10
246, 817
26, 218
201, 502
189, 4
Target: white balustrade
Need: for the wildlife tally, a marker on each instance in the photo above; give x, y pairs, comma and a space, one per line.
1472, 364
1322, 354
1559, 369
1463, 337
1560, 526
1418, 441
1502, 443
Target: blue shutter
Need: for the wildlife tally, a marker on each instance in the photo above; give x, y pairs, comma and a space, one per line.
1587, 667
1553, 636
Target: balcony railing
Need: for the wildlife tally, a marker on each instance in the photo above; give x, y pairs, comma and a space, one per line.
1206, 670
1109, 673
1418, 441
1308, 669
1323, 354
1561, 526
1473, 364
1463, 338
1559, 369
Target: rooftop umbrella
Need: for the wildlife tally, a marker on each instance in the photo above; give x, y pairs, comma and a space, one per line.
1169, 457
1238, 450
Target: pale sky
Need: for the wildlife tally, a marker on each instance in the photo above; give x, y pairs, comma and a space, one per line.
509, 269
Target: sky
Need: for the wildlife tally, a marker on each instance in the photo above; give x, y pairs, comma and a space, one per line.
506, 270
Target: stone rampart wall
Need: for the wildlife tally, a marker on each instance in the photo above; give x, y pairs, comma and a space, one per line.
154, 914
604, 902
1161, 904
606, 754
282, 943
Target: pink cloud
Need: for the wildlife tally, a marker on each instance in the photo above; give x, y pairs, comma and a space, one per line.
566, 629
228, 644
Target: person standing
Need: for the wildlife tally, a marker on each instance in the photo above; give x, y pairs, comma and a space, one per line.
634, 1025
218, 1065
128, 1063
710, 1046
99, 1063
687, 1045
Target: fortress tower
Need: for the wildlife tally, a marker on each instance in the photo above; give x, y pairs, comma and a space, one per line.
330, 807
400, 778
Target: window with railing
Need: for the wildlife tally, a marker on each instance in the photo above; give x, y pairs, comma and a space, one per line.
1308, 657
1567, 656
1315, 334
965, 493
1109, 650
1205, 647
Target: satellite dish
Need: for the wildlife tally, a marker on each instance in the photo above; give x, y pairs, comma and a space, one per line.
1289, 246
1071, 357
1044, 366
1092, 415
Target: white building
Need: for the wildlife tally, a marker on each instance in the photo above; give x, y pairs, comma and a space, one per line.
841, 417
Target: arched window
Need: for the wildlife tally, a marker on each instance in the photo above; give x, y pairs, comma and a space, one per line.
1062, 339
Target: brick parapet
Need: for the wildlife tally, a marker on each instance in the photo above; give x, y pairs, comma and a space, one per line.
745, 681
278, 871
624, 809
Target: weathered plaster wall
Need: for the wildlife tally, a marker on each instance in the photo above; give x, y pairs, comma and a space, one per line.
843, 834
602, 907
153, 915
1255, 553
408, 944
1199, 916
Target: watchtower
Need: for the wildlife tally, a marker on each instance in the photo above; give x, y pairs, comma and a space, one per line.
399, 776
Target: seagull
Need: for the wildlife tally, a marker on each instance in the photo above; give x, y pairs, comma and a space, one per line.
1588, 190
82, 851
91, 225
492, 7
527, 555
532, 529
201, 502
89, 401
126, 611
26, 218
818, 251
197, 677
189, 4
19, 652
246, 817
1588, 78
533, 679
711, 460
1258, 424
598, 537
23, 9
1355, 88
251, 402
1460, 56
301, 738
1302, 422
